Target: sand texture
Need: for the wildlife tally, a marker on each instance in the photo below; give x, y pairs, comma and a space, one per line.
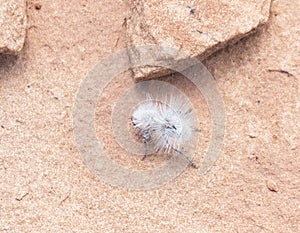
46, 187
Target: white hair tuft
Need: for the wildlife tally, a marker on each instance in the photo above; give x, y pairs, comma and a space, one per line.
164, 125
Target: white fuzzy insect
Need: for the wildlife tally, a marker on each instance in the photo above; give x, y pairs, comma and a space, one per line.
164, 125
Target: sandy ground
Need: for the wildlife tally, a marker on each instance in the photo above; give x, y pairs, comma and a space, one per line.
46, 187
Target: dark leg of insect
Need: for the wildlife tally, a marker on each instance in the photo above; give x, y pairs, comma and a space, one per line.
181, 153
197, 129
145, 147
187, 157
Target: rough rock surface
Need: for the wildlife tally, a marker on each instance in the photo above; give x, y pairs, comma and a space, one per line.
197, 27
12, 25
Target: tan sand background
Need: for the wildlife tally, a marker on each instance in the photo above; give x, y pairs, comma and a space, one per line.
45, 186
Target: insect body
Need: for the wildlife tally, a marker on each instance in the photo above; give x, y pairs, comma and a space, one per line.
164, 125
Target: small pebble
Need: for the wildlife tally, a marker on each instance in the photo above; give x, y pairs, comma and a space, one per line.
37, 6
272, 186
251, 135
21, 195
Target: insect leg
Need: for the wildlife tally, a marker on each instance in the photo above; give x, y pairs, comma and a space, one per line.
187, 157
146, 148
181, 153
146, 138
197, 129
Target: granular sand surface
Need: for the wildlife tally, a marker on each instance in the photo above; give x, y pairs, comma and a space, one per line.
46, 187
